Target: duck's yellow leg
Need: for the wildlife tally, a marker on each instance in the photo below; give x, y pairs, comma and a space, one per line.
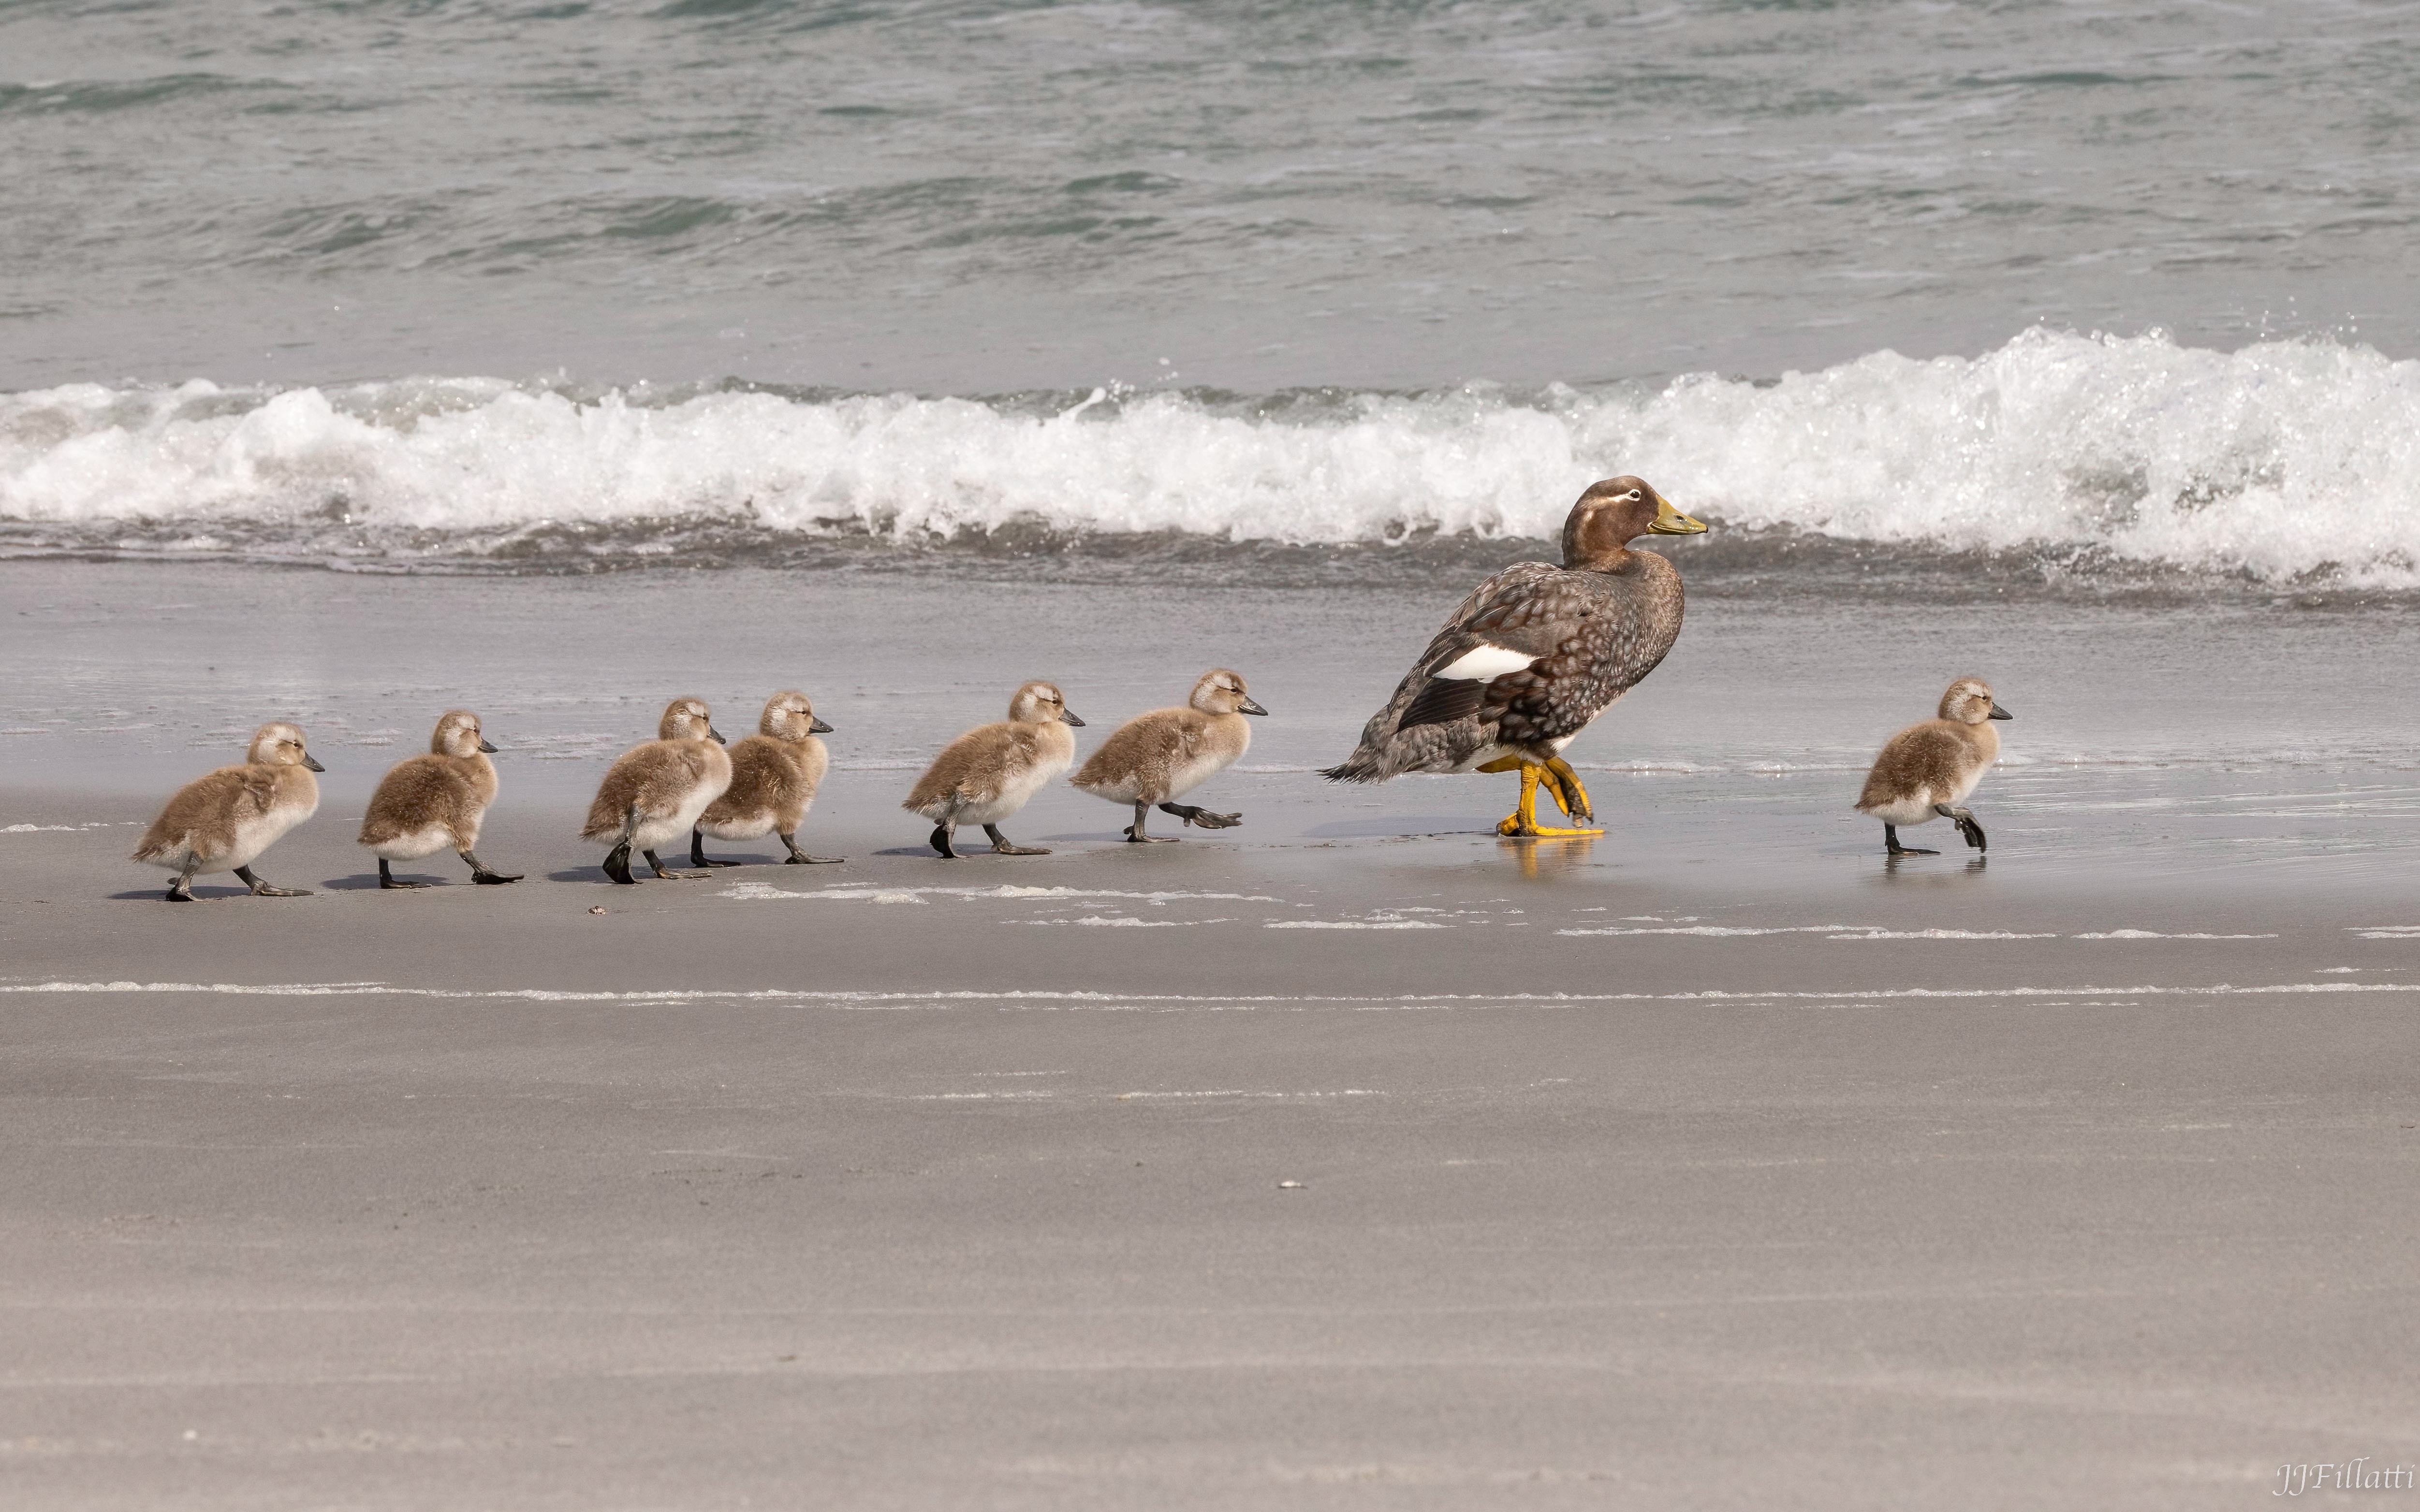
1522, 823
1567, 790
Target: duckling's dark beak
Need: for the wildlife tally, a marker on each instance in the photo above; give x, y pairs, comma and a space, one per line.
311, 765
715, 735
1999, 713
1671, 522
817, 726
1068, 716
485, 748
1251, 706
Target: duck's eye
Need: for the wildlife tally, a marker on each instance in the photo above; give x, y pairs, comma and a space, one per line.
1635, 496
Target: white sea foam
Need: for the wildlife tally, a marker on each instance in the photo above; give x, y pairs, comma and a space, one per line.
763, 892
2279, 459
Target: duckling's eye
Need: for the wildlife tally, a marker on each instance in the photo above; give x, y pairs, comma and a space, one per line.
1634, 496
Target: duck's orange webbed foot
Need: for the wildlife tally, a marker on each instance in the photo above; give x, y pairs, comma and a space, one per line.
1522, 822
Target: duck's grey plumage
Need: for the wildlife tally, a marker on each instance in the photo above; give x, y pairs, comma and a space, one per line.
1572, 638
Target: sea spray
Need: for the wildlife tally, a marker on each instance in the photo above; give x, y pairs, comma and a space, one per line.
2282, 461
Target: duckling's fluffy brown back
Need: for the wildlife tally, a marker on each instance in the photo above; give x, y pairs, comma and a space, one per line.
660, 777
770, 777
986, 761
1939, 761
1153, 757
449, 791
203, 815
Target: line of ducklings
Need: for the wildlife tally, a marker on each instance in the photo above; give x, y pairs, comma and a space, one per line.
687, 782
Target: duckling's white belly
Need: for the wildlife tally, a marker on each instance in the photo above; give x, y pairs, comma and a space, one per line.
740, 827
1015, 790
662, 830
1913, 809
412, 847
257, 834
1194, 771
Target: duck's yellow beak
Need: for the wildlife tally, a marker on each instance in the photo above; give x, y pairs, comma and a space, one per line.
1671, 522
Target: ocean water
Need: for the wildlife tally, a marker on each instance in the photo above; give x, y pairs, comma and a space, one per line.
2029, 300
2061, 289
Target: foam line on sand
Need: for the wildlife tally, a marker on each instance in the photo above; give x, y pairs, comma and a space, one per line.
1046, 998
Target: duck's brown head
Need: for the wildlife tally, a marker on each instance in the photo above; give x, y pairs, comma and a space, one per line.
1612, 514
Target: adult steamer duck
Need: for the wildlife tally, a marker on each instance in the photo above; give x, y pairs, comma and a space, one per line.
1533, 655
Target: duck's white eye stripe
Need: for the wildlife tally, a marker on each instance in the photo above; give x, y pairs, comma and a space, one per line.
1484, 663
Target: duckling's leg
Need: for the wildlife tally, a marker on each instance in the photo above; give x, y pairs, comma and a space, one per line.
799, 857
262, 889
1522, 822
697, 856
1965, 820
1137, 835
181, 889
617, 860
1890, 843
1000, 846
669, 875
1572, 797
386, 878
1204, 817
941, 837
480, 875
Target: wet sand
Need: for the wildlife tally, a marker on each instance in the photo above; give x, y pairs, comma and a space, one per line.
1712, 1162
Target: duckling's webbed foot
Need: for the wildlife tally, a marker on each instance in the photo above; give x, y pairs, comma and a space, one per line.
262, 889
480, 875
1138, 834
618, 865
1204, 817
799, 857
665, 873
180, 888
388, 879
1002, 845
1891, 844
697, 856
940, 840
1965, 819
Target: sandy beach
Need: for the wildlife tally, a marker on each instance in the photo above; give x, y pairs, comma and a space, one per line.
1716, 1161
557, 362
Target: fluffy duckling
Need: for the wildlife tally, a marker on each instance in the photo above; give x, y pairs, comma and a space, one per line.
655, 792
1158, 757
990, 772
774, 774
1928, 768
431, 802
221, 821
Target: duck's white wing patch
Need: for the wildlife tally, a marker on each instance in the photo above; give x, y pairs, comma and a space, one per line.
1484, 663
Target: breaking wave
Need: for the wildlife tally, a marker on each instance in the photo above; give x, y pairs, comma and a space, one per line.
2282, 462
